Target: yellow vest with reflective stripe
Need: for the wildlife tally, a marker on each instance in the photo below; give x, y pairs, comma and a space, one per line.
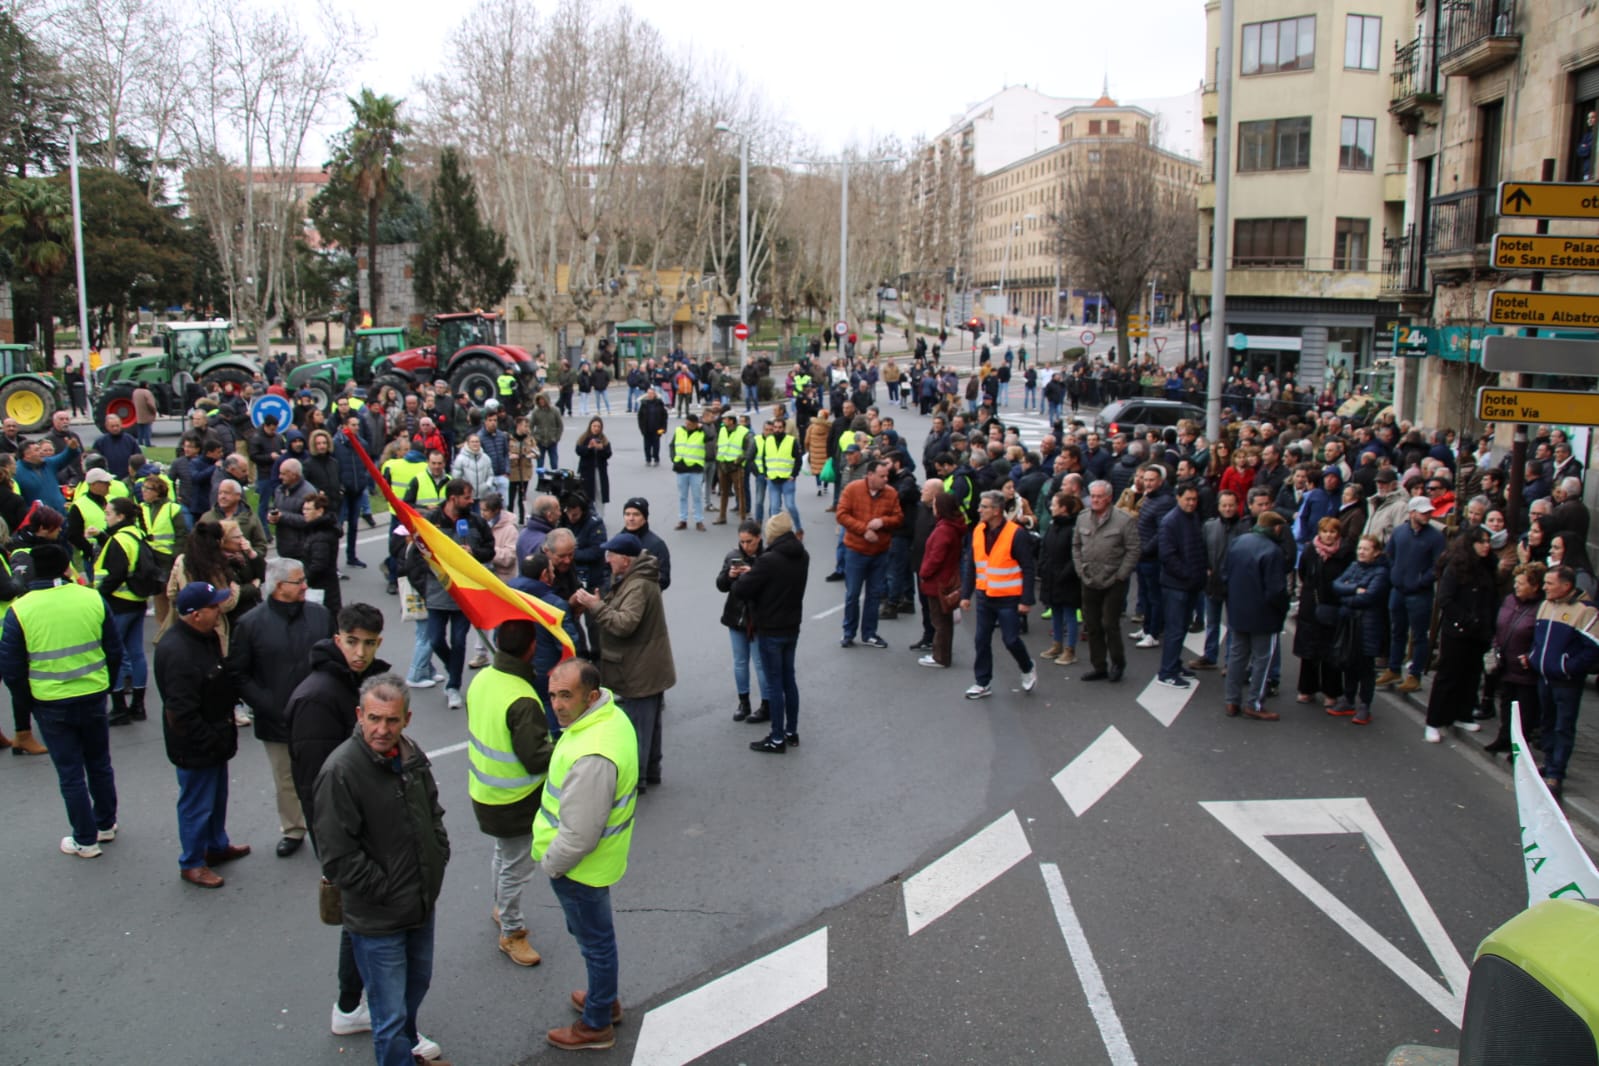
780, 457
496, 775
163, 534
998, 573
606, 732
506, 384
119, 489
761, 443
62, 626
689, 448
5, 606
845, 439
430, 494
131, 540
730, 445
91, 509
401, 472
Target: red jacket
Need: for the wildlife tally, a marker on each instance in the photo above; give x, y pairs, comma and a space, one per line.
941, 558
1239, 481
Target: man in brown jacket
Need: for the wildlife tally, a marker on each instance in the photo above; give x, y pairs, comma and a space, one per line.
635, 651
869, 512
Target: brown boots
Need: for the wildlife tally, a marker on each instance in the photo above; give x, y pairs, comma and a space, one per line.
26, 745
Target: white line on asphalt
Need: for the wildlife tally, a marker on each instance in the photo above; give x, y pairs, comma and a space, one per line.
939, 887
373, 539
1093, 982
1166, 703
829, 611
703, 1020
447, 750
1087, 778
1252, 821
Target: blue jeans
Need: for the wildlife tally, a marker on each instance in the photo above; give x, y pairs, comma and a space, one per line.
688, 492
588, 919
1001, 612
202, 813
1412, 612
1149, 599
868, 570
550, 456
1178, 608
758, 508
782, 495
779, 683
602, 397
397, 969
633, 395
1029, 396
130, 628
264, 488
1214, 605
1063, 626
451, 653
141, 433
742, 646
79, 740
899, 570
752, 400
351, 506
421, 654
1561, 702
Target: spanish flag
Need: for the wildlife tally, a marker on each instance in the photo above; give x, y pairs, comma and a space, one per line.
483, 597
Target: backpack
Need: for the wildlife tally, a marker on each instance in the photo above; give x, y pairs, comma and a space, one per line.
148, 574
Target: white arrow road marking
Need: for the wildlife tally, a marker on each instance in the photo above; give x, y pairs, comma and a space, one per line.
939, 887
1254, 821
730, 1006
1093, 982
1096, 771
1166, 703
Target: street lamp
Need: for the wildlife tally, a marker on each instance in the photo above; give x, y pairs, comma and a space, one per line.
77, 245
1004, 266
743, 233
843, 220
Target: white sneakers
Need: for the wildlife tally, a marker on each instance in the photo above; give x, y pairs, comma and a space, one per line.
928, 660
82, 851
426, 1049
426, 682
1432, 735
452, 697
106, 836
1147, 641
1030, 679
976, 692
1469, 727
358, 1020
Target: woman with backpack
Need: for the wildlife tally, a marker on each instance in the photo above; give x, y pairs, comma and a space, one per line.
126, 573
164, 524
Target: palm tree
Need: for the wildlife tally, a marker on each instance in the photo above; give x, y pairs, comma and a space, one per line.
36, 228
368, 155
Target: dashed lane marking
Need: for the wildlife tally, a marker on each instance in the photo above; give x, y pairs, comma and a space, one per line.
939, 887
1093, 982
730, 1006
1166, 703
1096, 771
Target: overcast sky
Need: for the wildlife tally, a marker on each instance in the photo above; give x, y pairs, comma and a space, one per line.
845, 71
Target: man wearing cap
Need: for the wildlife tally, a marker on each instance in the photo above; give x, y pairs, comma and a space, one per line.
688, 463
198, 696
1387, 506
59, 650
636, 651
86, 517
1413, 553
730, 448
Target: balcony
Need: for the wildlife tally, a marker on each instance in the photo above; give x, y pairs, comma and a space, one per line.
1395, 186
1415, 87
1205, 194
1460, 228
1209, 102
1402, 269
1477, 36
1296, 278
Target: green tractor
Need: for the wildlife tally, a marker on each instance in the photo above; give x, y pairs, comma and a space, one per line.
326, 378
194, 355
27, 395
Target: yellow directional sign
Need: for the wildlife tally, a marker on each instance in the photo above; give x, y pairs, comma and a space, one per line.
1538, 405
1137, 326
1548, 199
1513, 251
1548, 310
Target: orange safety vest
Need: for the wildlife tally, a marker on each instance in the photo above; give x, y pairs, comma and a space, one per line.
998, 572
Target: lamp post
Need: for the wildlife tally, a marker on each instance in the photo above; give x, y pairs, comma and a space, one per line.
843, 220
743, 233
77, 248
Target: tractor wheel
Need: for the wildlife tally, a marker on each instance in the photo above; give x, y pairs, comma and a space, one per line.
478, 378
234, 382
117, 402
319, 389
389, 381
29, 402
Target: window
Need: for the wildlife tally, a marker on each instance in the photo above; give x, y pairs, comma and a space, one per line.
1287, 44
1351, 238
1269, 242
1362, 35
1356, 143
1113, 127
1274, 144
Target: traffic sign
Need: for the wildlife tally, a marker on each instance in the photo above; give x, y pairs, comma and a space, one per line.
840, 328
1538, 405
1087, 337
741, 331
1513, 251
1546, 310
1541, 355
1137, 326
1548, 199
274, 405
1160, 344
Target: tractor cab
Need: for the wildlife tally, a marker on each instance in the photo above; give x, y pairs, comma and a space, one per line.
467, 330
16, 359
372, 346
189, 344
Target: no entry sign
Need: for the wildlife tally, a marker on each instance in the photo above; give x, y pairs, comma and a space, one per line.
741, 331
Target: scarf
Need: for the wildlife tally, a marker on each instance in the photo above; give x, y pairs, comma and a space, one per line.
1323, 550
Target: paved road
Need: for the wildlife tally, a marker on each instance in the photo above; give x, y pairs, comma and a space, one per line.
1119, 920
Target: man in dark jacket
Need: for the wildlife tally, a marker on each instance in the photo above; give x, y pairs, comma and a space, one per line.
774, 587
1413, 552
379, 832
1183, 570
1256, 579
353, 484
269, 654
1157, 502
636, 520
652, 426
197, 697
266, 447
1219, 534
321, 715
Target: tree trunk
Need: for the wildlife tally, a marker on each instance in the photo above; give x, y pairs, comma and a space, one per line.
374, 277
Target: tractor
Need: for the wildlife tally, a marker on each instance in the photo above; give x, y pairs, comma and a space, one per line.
470, 353
326, 378
194, 355
26, 395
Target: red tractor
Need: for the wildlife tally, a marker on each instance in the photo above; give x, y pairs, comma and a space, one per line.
470, 353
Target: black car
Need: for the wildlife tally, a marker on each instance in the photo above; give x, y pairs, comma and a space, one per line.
1138, 414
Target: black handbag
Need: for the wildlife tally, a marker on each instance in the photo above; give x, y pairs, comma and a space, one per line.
1346, 639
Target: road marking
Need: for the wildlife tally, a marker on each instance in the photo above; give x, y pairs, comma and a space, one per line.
939, 887
373, 539
1087, 778
1195, 643
1166, 703
1252, 821
450, 749
703, 1020
1093, 982
826, 613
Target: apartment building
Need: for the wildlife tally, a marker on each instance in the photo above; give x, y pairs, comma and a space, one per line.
1317, 185
1487, 91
